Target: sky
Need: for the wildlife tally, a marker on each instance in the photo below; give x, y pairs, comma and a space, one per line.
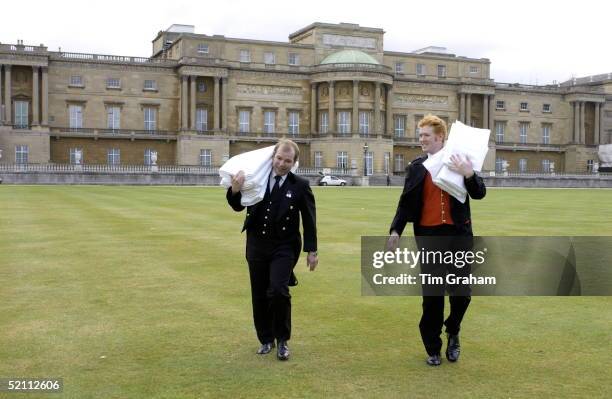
529, 42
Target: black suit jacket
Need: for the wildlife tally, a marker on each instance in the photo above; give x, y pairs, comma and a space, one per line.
411, 201
296, 198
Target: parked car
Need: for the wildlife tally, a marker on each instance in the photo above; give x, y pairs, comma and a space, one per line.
332, 181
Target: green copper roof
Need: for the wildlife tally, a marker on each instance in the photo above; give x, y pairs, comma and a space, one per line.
349, 56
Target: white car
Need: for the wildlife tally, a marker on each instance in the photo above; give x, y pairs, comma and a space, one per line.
332, 181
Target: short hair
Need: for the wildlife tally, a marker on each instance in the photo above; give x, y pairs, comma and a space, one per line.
438, 125
287, 143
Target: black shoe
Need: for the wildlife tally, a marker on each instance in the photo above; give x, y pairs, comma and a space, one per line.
265, 348
434, 360
453, 348
282, 352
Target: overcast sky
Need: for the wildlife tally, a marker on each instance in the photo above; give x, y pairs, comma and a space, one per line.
531, 42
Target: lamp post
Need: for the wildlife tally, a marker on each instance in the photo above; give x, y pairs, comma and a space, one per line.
365, 159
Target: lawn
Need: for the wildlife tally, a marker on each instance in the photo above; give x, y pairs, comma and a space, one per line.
143, 292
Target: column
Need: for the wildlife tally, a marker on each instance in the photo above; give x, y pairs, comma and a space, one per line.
485, 111
35, 121
377, 110
582, 104
192, 102
331, 120
216, 103
462, 108
184, 115
576, 134
468, 109
45, 96
389, 113
7, 94
313, 108
224, 105
596, 132
491, 111
355, 118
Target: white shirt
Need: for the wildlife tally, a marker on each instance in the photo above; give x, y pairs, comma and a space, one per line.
272, 181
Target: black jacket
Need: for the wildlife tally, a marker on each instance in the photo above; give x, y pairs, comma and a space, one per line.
296, 198
411, 201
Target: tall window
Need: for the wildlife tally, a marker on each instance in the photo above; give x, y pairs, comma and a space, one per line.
399, 162
400, 125
76, 116
244, 121
294, 59
21, 154
364, 122
206, 157
294, 123
245, 56
590, 165
113, 156
420, 69
399, 67
499, 165
369, 160
546, 108
344, 122
201, 119
342, 160
150, 118
500, 128
523, 165
269, 58
323, 122
147, 157
318, 159
546, 165
417, 119
113, 117
441, 71
523, 127
546, 133
73, 152
269, 121
387, 161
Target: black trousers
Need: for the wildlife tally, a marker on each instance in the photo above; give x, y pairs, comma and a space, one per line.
442, 238
271, 263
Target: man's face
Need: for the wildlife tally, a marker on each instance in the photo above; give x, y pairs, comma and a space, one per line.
283, 160
430, 142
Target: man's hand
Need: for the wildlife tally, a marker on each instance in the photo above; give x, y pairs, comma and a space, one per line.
312, 260
461, 166
393, 241
237, 182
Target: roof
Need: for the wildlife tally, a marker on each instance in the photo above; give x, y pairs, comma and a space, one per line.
350, 57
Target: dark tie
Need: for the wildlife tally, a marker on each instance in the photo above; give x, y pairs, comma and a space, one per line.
276, 184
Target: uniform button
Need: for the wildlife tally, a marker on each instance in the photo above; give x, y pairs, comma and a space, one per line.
443, 221
268, 209
287, 217
265, 225
265, 217
443, 212
291, 207
263, 232
283, 228
270, 202
248, 214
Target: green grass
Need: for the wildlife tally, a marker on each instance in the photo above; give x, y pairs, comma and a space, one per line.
143, 292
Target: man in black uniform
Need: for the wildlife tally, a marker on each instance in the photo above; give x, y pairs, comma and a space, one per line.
274, 243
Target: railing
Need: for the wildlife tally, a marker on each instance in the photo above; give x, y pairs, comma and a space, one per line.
21, 47
69, 168
106, 131
110, 58
324, 171
406, 139
546, 174
353, 66
528, 146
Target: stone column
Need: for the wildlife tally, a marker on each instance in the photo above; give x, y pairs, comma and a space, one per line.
216, 103
596, 132
313, 108
45, 96
184, 107
576, 134
485, 111
468, 110
376, 129
35, 102
462, 108
7, 94
224, 105
491, 111
582, 106
389, 111
355, 118
331, 120
192, 102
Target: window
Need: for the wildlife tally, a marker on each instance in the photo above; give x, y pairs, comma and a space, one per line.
206, 157
399, 162
150, 85
76, 80
323, 122
245, 56
500, 128
269, 121
202, 87
399, 67
546, 133
523, 127
294, 59
150, 118
147, 157
113, 156
417, 119
441, 71
420, 69
546, 165
318, 159
244, 121
294, 123
113, 117
523, 165
76, 116
202, 48
344, 122
21, 114
499, 165
589, 165
342, 160
113, 83
400, 125
269, 58
387, 160
473, 69
364, 122
21, 154
546, 108
369, 163
201, 119
524, 106
73, 156
500, 104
